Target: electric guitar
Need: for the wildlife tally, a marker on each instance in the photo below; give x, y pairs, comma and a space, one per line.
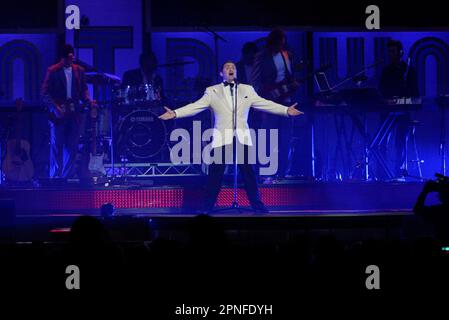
64, 110
280, 90
17, 165
95, 165
287, 87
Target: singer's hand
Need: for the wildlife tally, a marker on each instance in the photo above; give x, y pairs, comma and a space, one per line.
170, 114
293, 112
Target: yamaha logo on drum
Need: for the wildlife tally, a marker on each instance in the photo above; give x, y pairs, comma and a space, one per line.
142, 119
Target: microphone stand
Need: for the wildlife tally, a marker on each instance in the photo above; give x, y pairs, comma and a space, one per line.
216, 38
405, 80
235, 204
355, 76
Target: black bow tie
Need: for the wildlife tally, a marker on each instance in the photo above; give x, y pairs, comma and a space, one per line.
225, 83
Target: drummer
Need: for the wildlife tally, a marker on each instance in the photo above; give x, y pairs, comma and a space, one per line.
145, 74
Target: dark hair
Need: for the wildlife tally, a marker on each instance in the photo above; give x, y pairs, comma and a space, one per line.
66, 50
148, 56
227, 61
249, 47
274, 37
395, 43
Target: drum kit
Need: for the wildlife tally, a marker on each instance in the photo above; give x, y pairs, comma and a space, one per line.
136, 132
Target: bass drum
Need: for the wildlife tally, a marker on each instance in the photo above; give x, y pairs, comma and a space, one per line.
141, 135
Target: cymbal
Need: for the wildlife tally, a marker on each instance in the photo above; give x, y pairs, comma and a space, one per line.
176, 63
87, 67
101, 78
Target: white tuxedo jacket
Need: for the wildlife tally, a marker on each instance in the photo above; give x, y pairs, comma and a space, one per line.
214, 98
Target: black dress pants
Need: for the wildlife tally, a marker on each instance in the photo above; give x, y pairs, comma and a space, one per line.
216, 172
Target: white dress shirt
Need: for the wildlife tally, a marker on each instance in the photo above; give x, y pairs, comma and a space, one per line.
280, 66
228, 96
68, 78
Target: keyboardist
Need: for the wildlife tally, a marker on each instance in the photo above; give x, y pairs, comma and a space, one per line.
398, 78
398, 81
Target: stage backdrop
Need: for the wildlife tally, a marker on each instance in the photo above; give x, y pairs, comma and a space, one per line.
110, 39
348, 53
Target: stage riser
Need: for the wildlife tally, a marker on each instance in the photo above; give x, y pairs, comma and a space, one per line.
316, 196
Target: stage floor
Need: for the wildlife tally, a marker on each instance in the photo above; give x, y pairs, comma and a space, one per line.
292, 199
351, 209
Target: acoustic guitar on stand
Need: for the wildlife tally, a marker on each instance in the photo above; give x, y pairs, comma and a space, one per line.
17, 165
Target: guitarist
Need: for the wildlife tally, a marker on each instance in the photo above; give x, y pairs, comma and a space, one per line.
63, 88
273, 65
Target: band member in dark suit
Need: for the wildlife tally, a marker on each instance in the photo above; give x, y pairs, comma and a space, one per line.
398, 80
145, 74
273, 65
219, 99
64, 82
244, 70
245, 65
142, 76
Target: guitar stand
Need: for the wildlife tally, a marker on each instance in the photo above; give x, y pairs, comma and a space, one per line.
112, 179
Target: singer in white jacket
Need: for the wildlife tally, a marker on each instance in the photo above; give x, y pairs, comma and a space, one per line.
222, 98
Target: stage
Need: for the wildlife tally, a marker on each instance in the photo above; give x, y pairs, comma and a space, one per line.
351, 210
292, 198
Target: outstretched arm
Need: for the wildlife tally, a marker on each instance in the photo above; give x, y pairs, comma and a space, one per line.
262, 104
188, 110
